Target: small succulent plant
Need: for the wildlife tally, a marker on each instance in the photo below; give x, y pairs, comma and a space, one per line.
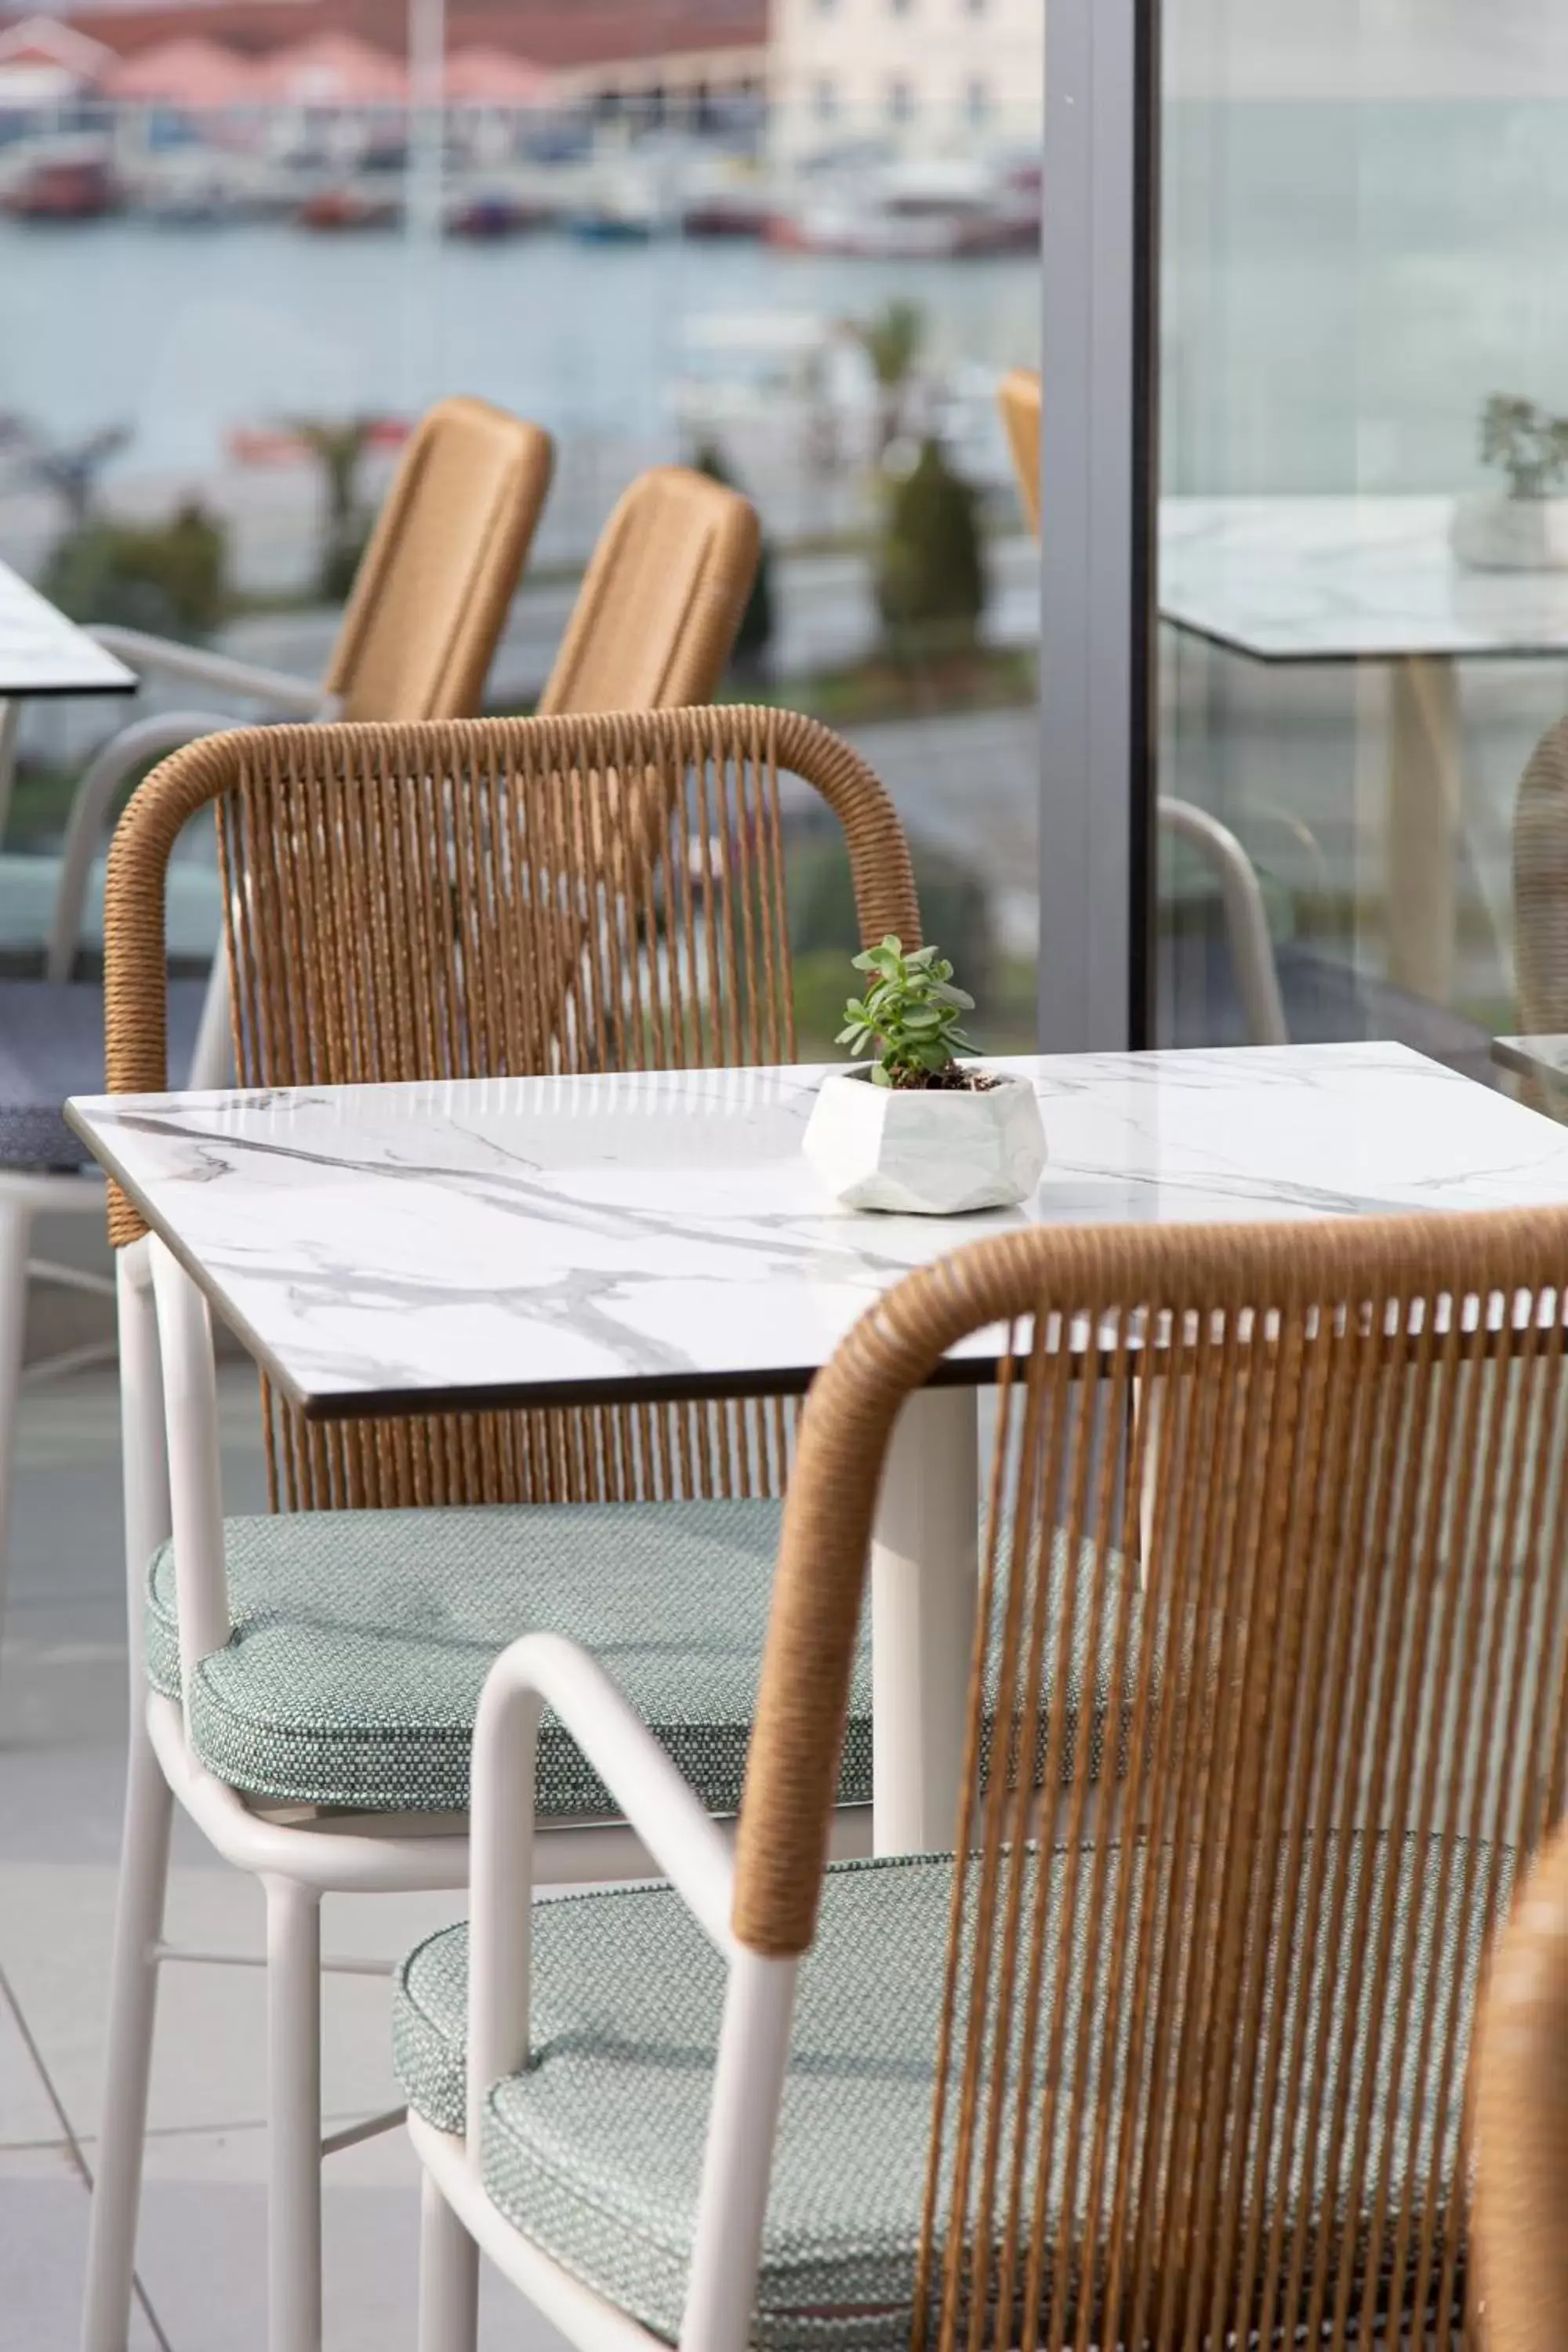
911, 1017
1531, 447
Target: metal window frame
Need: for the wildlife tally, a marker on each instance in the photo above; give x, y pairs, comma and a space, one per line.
1097, 493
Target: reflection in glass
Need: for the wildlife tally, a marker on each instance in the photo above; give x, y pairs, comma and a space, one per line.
1365, 626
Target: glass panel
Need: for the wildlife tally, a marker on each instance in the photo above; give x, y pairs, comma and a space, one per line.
1364, 456
223, 298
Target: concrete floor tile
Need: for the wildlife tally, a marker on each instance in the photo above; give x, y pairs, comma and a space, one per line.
43, 2246
209, 2061
203, 2261
29, 2118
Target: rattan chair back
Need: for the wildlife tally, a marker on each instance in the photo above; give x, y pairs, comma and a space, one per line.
1522, 2121
1204, 2034
431, 594
491, 898
1541, 897
1018, 398
661, 601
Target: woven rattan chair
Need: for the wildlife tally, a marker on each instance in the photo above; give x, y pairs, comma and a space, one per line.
1018, 398
1241, 898
1521, 2108
1180, 2060
530, 895
428, 604
655, 617
1540, 900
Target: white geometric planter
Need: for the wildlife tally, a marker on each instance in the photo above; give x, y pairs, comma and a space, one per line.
926, 1152
1494, 532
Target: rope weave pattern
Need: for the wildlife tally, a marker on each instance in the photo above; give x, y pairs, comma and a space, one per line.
486, 899
1540, 905
1215, 2089
1522, 2120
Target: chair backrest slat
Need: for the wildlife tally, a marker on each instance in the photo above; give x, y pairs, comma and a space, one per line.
1207, 2014
1540, 905
1018, 398
657, 614
1522, 2120
432, 591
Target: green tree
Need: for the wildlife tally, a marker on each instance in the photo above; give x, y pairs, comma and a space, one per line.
891, 341
754, 637
170, 579
930, 582
339, 447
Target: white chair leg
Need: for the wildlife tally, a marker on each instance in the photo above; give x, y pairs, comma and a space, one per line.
16, 1228
294, 2116
448, 2277
132, 2000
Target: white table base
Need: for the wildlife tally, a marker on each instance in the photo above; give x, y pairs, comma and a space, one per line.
924, 1570
1426, 783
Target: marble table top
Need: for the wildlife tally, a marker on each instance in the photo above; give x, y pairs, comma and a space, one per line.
1534, 1056
1345, 578
43, 653
392, 1248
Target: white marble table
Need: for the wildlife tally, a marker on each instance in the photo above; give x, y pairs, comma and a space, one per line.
1533, 1057
387, 1249
393, 1249
43, 653
1369, 579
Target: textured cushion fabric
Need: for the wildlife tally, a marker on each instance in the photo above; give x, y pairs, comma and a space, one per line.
361, 1640
594, 2152
51, 1045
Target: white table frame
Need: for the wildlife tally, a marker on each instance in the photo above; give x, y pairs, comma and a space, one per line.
1457, 615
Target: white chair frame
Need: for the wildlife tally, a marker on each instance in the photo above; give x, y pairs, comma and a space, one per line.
457, 2219
1245, 917
27, 1194
173, 1485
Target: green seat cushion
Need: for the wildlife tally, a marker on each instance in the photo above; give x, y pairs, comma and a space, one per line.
593, 2152
361, 1642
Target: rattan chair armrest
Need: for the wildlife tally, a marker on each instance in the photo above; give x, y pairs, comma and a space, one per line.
94, 795
1522, 2119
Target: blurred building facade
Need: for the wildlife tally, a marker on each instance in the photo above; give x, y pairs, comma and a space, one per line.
927, 77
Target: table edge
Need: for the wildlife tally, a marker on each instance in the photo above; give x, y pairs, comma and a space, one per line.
1282, 657
409, 1403
1507, 1055
129, 684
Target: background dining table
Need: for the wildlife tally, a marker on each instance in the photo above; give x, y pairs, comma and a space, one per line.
484, 1242
1284, 581
43, 653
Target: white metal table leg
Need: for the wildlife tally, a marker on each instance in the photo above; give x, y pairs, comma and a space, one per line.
923, 1571
1424, 785
294, 2116
15, 1226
